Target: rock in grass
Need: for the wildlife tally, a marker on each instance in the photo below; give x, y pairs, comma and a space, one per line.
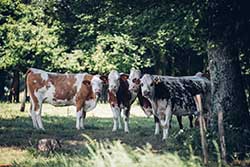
48, 145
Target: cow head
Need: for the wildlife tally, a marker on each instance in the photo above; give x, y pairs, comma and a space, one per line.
97, 84
134, 80
114, 81
147, 86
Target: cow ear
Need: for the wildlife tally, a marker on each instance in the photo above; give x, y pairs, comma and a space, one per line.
124, 76
86, 82
104, 78
157, 80
206, 75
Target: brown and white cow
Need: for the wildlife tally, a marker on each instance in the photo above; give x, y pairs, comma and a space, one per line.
81, 90
120, 99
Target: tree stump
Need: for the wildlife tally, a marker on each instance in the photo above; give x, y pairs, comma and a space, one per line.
48, 145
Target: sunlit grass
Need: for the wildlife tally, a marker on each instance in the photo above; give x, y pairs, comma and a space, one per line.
137, 148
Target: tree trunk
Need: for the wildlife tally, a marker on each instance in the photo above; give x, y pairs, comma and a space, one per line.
14, 92
228, 96
2, 84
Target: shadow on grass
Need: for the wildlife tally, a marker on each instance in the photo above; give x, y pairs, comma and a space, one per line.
18, 132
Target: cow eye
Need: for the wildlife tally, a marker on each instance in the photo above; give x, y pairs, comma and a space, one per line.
141, 84
152, 84
134, 80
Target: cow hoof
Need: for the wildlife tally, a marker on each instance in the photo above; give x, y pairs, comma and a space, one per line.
126, 131
114, 130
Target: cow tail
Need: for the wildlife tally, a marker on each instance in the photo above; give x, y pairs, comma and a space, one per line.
25, 93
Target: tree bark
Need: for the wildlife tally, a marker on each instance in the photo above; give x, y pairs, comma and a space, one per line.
2, 84
14, 92
228, 96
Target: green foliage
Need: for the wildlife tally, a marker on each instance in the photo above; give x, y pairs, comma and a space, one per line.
28, 41
117, 52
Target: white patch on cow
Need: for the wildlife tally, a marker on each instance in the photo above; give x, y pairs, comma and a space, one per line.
154, 106
115, 111
44, 74
166, 123
147, 86
39, 119
113, 79
134, 74
90, 105
119, 119
36, 115
161, 104
79, 79
157, 128
82, 123
165, 133
96, 84
126, 126
41, 94
33, 114
78, 117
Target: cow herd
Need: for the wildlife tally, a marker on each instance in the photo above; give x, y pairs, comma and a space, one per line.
160, 96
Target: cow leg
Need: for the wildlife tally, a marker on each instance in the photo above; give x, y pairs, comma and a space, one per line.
126, 119
38, 116
78, 117
32, 114
191, 121
166, 122
82, 120
119, 119
116, 111
157, 125
179, 118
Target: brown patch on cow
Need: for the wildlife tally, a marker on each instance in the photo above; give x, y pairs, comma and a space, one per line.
34, 82
85, 82
85, 93
112, 99
124, 77
64, 86
91, 94
88, 77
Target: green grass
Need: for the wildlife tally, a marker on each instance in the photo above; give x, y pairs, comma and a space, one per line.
104, 148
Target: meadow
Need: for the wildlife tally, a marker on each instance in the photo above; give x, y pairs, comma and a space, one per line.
96, 145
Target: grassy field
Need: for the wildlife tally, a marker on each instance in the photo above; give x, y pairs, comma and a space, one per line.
104, 148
